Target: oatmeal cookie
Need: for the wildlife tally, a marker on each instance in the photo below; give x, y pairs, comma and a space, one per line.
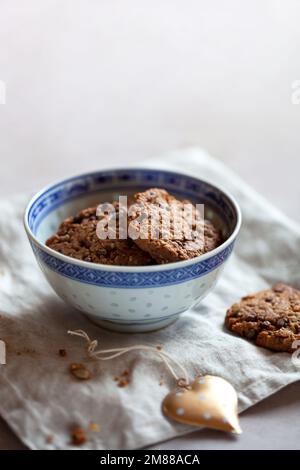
271, 317
181, 240
77, 238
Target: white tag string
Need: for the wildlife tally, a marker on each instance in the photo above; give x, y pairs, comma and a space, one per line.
108, 354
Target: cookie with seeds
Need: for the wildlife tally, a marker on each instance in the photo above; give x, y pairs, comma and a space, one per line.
77, 238
270, 318
169, 229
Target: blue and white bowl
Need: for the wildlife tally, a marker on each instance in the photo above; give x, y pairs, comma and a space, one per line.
122, 298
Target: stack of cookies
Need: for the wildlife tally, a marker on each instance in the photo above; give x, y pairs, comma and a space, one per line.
146, 243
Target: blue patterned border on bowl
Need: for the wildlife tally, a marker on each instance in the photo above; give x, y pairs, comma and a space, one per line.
134, 280
123, 181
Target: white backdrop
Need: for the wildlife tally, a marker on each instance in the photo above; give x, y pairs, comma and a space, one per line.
93, 83
97, 82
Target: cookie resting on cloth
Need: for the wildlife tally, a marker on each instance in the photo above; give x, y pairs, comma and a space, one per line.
270, 318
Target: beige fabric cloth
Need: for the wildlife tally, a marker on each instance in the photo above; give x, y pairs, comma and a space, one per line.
37, 395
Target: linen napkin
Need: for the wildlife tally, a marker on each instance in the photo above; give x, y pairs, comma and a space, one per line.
38, 397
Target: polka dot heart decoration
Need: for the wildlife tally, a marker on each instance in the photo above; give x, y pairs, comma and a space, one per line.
208, 401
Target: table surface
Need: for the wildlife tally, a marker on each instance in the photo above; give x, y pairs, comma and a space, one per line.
98, 83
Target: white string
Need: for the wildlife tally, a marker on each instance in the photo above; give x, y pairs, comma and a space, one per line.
116, 352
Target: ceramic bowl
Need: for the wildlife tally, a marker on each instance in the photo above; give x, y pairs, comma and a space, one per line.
122, 298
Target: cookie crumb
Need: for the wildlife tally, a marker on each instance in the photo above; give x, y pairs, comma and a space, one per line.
62, 352
80, 371
122, 380
94, 427
123, 383
78, 436
29, 351
49, 438
159, 347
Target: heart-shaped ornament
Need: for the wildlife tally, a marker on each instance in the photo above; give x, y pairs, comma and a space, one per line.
209, 401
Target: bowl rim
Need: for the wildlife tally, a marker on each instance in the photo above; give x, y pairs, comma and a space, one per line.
133, 269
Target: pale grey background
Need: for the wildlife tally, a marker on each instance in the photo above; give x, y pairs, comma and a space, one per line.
104, 82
